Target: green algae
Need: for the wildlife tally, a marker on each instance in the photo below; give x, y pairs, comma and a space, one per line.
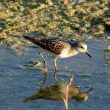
75, 20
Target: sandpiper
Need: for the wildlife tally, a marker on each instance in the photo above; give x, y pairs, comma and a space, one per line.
60, 48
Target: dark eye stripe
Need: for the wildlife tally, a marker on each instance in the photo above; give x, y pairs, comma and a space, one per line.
81, 47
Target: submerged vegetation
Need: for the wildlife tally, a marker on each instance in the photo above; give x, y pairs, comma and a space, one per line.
73, 19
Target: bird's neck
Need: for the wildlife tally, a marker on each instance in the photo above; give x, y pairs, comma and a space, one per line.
73, 51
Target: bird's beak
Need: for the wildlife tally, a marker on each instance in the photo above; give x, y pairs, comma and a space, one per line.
87, 53
88, 91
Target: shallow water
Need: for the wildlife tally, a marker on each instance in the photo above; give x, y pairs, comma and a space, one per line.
18, 82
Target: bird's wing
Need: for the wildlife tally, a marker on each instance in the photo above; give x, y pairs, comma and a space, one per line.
54, 45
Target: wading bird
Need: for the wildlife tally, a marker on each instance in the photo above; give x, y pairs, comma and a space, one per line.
60, 48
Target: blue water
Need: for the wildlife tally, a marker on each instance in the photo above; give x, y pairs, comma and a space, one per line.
18, 82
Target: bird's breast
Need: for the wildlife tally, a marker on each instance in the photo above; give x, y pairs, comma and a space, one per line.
67, 53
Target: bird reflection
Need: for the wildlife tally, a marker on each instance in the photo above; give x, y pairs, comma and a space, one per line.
61, 91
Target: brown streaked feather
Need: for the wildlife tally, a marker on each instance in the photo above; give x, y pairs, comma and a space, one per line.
33, 40
53, 45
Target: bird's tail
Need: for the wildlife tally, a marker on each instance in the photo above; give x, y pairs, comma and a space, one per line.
33, 40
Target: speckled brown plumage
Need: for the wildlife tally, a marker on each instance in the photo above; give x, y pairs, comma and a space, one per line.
53, 45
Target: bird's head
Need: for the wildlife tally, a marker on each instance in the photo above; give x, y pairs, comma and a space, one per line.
82, 47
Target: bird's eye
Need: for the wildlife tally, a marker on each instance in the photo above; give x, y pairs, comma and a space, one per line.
81, 47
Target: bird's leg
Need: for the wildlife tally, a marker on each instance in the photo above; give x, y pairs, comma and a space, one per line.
45, 67
55, 68
55, 65
45, 62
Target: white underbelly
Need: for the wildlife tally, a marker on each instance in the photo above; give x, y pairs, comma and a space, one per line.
67, 53
64, 53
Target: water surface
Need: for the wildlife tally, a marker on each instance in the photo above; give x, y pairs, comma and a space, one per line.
18, 82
